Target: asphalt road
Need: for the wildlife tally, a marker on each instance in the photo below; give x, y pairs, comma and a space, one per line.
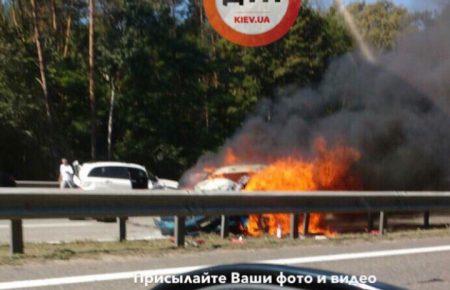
403, 263
64, 230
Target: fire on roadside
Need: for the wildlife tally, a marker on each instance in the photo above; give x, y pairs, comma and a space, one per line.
329, 169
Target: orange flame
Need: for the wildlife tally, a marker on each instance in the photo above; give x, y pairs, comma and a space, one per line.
331, 169
230, 157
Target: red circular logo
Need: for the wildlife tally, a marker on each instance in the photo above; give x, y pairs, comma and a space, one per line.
252, 22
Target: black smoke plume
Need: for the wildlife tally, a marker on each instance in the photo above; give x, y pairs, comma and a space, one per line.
396, 113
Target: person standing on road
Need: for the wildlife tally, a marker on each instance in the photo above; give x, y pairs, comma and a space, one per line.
66, 174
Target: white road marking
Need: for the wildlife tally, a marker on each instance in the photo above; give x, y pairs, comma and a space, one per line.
53, 225
353, 256
172, 271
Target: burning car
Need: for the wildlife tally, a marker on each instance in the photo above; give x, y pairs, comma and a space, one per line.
325, 168
225, 179
229, 178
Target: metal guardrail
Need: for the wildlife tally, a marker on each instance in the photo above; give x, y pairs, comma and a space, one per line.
37, 184
20, 203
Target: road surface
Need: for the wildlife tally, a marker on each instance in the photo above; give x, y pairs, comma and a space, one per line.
409, 263
64, 230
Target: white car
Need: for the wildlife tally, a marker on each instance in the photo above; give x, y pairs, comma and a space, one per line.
117, 175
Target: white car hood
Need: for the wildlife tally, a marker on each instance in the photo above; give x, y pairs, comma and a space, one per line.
216, 184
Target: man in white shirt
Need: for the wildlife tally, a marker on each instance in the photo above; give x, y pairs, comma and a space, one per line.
66, 174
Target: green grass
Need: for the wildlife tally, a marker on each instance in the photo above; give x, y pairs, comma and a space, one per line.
39, 252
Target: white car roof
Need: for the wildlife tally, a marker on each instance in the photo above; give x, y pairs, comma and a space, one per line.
110, 164
87, 167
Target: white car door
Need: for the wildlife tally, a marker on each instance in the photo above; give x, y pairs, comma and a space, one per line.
108, 178
96, 179
117, 177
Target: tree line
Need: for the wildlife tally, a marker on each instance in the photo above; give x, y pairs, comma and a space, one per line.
149, 81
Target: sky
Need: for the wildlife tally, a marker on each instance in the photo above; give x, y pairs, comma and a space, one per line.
414, 5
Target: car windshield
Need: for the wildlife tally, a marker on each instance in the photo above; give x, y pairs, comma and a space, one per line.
225, 144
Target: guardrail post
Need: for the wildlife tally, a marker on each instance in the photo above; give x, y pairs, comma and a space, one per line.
369, 222
180, 230
122, 228
383, 223
16, 243
426, 219
294, 226
224, 230
305, 223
